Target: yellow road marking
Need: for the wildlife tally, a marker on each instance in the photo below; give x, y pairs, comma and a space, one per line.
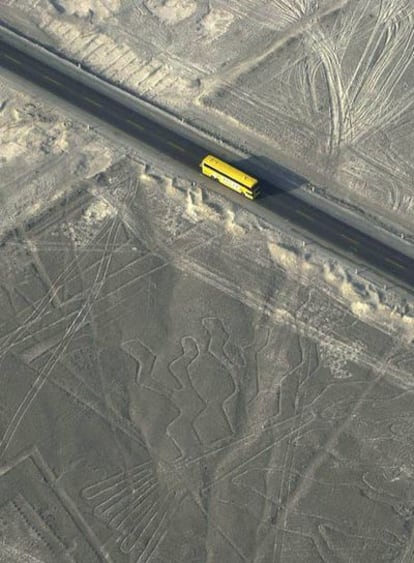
92, 101
50, 79
395, 263
304, 214
12, 59
350, 239
135, 124
172, 144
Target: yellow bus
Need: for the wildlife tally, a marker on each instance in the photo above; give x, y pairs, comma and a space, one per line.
230, 176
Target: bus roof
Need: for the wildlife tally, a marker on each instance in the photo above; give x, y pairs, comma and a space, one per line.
230, 171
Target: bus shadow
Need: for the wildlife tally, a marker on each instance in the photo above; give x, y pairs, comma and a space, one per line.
272, 176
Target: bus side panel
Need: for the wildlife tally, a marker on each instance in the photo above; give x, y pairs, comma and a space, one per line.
230, 183
222, 179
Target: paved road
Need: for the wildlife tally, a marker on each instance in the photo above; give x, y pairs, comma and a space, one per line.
362, 248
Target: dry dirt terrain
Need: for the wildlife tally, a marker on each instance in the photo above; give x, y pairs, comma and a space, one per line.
323, 87
180, 381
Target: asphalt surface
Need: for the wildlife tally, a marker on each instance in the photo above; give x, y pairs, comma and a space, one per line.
363, 249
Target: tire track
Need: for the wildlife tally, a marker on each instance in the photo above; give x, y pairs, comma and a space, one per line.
68, 335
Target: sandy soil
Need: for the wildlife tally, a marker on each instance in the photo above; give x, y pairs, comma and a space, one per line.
182, 382
322, 87
42, 156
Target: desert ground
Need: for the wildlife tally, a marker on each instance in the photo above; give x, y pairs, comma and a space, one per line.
323, 87
182, 382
